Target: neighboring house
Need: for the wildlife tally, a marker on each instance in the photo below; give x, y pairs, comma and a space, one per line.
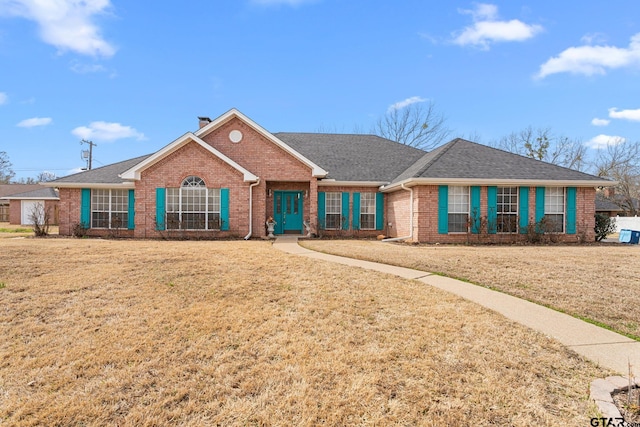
606, 206
9, 190
231, 175
611, 204
23, 206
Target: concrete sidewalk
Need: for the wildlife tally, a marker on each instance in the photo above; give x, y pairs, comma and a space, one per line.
605, 348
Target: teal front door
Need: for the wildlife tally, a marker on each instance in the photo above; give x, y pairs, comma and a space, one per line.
287, 211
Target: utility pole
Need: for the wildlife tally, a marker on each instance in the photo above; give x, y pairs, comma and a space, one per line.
90, 157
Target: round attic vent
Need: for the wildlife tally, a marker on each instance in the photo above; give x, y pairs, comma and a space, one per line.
235, 136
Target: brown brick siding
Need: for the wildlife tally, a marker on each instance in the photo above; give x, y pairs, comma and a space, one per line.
427, 217
398, 213
350, 232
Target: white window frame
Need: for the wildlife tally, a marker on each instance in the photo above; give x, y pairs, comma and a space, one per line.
512, 209
105, 201
368, 210
333, 208
552, 207
458, 203
193, 198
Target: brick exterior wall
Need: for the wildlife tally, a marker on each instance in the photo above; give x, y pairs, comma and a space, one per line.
350, 232
426, 217
15, 212
397, 211
277, 169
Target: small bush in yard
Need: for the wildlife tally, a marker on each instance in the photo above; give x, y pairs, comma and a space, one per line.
605, 225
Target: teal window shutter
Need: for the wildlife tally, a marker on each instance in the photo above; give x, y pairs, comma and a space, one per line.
85, 208
443, 209
161, 199
224, 209
379, 211
539, 204
492, 210
475, 212
356, 211
345, 211
571, 210
131, 210
321, 210
524, 209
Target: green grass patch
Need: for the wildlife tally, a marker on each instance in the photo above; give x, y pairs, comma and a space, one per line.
15, 230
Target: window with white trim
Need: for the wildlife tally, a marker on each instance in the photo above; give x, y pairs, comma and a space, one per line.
333, 211
507, 210
458, 209
193, 206
554, 209
109, 208
368, 211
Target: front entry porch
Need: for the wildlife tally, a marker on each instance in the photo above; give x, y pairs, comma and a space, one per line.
290, 205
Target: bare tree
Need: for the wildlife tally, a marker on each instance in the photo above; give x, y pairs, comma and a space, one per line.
417, 125
40, 219
620, 162
6, 173
46, 176
542, 144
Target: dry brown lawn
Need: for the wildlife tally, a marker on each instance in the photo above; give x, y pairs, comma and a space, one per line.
596, 282
150, 333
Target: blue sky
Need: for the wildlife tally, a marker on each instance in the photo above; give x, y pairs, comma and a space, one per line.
132, 76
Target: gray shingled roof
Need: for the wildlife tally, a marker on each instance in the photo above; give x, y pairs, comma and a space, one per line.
604, 204
371, 158
11, 189
353, 157
103, 175
468, 160
40, 193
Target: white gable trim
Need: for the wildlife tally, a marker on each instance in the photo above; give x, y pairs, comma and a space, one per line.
134, 172
316, 170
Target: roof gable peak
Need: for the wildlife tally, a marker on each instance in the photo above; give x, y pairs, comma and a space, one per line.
214, 124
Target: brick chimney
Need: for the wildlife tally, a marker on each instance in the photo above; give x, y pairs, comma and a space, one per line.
203, 121
609, 192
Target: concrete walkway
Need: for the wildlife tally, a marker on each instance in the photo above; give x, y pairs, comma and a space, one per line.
605, 348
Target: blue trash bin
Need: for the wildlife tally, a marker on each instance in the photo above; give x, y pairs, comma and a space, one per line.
625, 236
635, 237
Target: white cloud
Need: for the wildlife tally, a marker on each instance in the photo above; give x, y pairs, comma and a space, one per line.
600, 122
65, 24
602, 141
633, 115
3, 98
34, 122
590, 60
104, 131
401, 104
80, 68
487, 29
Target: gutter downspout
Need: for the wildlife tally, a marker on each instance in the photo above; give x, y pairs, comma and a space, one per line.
410, 236
248, 236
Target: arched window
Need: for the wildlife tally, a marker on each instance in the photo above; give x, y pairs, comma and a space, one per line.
193, 206
193, 181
